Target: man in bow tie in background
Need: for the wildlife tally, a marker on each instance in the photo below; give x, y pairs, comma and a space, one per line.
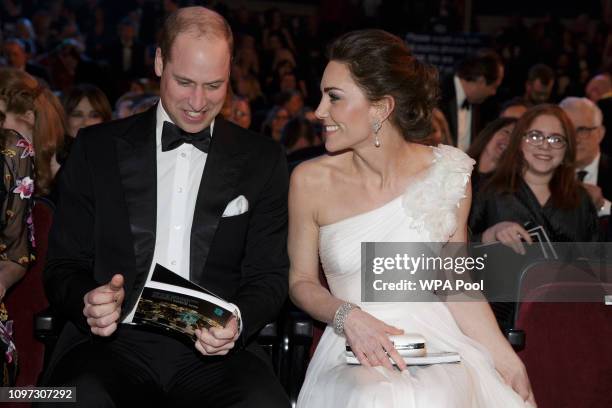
178, 187
476, 78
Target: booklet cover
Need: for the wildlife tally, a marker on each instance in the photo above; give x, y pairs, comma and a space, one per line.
177, 306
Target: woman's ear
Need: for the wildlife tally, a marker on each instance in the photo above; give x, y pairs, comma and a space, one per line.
384, 107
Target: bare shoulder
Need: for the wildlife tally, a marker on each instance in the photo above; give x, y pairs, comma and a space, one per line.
316, 174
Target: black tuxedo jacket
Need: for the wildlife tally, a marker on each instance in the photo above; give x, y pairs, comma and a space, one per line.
106, 219
448, 106
604, 176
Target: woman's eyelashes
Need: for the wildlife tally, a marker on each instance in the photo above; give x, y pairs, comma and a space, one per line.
333, 97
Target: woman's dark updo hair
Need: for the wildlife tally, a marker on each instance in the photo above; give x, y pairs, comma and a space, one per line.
381, 64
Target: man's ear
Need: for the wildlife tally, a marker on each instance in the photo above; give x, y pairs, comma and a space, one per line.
159, 62
601, 133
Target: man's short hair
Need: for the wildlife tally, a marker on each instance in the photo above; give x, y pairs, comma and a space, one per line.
200, 20
574, 103
542, 72
485, 64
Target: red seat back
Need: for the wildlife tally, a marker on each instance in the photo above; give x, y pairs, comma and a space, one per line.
568, 348
27, 298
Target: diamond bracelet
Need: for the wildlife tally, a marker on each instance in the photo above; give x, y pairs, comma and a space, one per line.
340, 316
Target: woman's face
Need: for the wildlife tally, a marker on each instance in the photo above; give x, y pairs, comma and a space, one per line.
498, 143
344, 110
543, 159
279, 121
83, 115
16, 122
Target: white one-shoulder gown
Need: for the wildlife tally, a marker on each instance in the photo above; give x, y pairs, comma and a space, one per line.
426, 212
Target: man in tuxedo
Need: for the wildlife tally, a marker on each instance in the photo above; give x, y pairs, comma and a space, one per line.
476, 78
539, 84
599, 90
593, 167
178, 187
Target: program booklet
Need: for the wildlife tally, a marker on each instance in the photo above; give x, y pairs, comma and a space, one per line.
176, 306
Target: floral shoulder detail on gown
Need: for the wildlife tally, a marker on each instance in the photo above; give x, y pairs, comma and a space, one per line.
432, 202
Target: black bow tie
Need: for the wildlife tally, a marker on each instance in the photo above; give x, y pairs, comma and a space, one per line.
582, 174
465, 104
173, 137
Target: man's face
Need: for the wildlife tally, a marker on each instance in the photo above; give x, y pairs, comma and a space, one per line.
588, 135
194, 80
482, 90
537, 92
15, 55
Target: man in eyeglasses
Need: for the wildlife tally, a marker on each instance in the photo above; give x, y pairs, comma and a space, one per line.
592, 166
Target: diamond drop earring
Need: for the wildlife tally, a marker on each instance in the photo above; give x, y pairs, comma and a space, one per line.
376, 128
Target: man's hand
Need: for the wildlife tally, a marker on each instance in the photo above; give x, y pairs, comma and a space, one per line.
217, 341
103, 306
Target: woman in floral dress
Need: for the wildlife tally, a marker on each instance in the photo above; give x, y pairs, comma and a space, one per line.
31, 120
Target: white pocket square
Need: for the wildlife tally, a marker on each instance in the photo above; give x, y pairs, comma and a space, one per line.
237, 206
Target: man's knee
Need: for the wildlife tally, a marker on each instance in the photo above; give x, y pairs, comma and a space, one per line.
90, 391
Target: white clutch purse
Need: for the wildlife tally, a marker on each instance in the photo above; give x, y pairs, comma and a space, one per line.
411, 347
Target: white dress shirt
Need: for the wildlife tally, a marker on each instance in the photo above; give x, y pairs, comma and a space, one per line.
464, 117
179, 172
592, 170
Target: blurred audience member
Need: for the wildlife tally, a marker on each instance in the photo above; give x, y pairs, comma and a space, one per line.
488, 148
276, 119
593, 167
599, 90
301, 141
514, 108
240, 112
18, 57
440, 131
37, 115
476, 78
125, 103
539, 84
144, 102
600, 86
85, 105
68, 65
535, 185
292, 101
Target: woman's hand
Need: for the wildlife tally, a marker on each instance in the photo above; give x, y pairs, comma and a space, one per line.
508, 233
515, 375
369, 340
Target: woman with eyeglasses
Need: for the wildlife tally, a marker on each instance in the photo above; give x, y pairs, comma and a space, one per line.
535, 184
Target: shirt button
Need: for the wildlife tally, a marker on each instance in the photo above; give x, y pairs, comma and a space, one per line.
173, 263
183, 155
180, 189
177, 227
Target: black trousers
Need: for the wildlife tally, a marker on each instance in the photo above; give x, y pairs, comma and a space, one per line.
136, 367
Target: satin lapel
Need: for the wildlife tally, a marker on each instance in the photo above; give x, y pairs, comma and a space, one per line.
217, 189
136, 157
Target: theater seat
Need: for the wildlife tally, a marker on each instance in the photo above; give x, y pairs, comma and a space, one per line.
568, 353
27, 298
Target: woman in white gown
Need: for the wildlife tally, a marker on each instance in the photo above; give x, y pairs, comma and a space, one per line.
379, 185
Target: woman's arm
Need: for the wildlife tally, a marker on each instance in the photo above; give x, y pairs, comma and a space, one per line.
367, 335
15, 235
477, 321
305, 289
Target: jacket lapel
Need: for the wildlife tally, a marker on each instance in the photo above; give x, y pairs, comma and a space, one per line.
217, 188
136, 156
